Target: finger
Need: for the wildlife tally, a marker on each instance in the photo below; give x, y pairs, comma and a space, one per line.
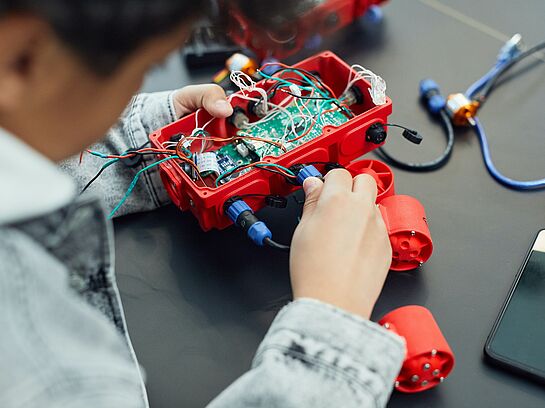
336, 181
366, 185
313, 188
211, 97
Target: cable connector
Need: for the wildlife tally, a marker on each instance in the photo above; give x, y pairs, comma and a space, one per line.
376, 133
461, 110
512, 48
431, 96
243, 216
412, 136
303, 172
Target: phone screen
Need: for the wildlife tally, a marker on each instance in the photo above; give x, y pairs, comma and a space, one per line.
519, 336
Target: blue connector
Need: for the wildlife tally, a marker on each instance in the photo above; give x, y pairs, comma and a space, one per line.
374, 14
510, 49
431, 95
306, 172
242, 215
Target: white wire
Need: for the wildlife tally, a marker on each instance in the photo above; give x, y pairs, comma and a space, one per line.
247, 84
378, 85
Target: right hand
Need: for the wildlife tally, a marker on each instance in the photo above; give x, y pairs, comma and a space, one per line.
341, 253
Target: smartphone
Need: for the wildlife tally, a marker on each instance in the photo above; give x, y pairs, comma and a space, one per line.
517, 339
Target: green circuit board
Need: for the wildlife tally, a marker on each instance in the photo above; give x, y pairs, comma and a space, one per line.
280, 127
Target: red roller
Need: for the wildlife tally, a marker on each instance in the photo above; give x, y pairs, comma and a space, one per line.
382, 174
405, 219
429, 359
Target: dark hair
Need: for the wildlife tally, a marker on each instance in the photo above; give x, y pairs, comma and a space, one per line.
104, 32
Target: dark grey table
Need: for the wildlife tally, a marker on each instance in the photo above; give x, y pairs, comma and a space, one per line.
198, 304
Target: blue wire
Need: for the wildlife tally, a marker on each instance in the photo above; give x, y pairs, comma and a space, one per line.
481, 82
135, 180
514, 184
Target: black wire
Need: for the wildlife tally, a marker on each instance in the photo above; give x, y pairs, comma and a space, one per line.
273, 244
492, 83
307, 97
96, 176
434, 164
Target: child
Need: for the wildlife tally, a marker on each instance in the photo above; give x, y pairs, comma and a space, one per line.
67, 70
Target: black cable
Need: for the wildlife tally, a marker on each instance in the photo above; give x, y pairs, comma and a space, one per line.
96, 176
273, 244
434, 164
317, 98
492, 83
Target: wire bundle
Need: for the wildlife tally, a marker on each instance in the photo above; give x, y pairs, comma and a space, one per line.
480, 91
302, 87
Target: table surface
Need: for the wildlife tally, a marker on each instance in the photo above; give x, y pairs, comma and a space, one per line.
198, 304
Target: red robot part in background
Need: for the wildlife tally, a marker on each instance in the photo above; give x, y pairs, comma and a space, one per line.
319, 19
429, 359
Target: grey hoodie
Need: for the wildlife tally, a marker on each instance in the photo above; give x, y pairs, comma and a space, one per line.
63, 338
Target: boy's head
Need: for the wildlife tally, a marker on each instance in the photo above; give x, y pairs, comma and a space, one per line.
69, 67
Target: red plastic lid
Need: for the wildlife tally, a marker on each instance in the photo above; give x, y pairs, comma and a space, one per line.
382, 174
429, 359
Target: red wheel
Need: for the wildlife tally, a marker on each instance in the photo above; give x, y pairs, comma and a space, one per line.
429, 358
407, 226
382, 174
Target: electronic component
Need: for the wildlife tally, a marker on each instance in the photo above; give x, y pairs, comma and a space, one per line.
225, 163
257, 108
281, 127
242, 215
431, 96
239, 119
242, 149
517, 337
376, 134
461, 110
353, 96
306, 172
207, 163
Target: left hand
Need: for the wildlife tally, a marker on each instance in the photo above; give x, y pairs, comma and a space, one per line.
208, 96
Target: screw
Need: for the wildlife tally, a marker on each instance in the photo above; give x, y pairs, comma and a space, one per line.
397, 384
413, 233
436, 372
434, 353
427, 366
415, 378
441, 379
420, 263
424, 383
386, 325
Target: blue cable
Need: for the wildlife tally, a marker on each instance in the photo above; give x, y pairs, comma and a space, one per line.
506, 181
481, 82
134, 181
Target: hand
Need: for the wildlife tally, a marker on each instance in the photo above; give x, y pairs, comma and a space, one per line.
340, 253
210, 97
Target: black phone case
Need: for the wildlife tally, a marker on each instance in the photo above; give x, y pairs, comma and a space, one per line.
501, 361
